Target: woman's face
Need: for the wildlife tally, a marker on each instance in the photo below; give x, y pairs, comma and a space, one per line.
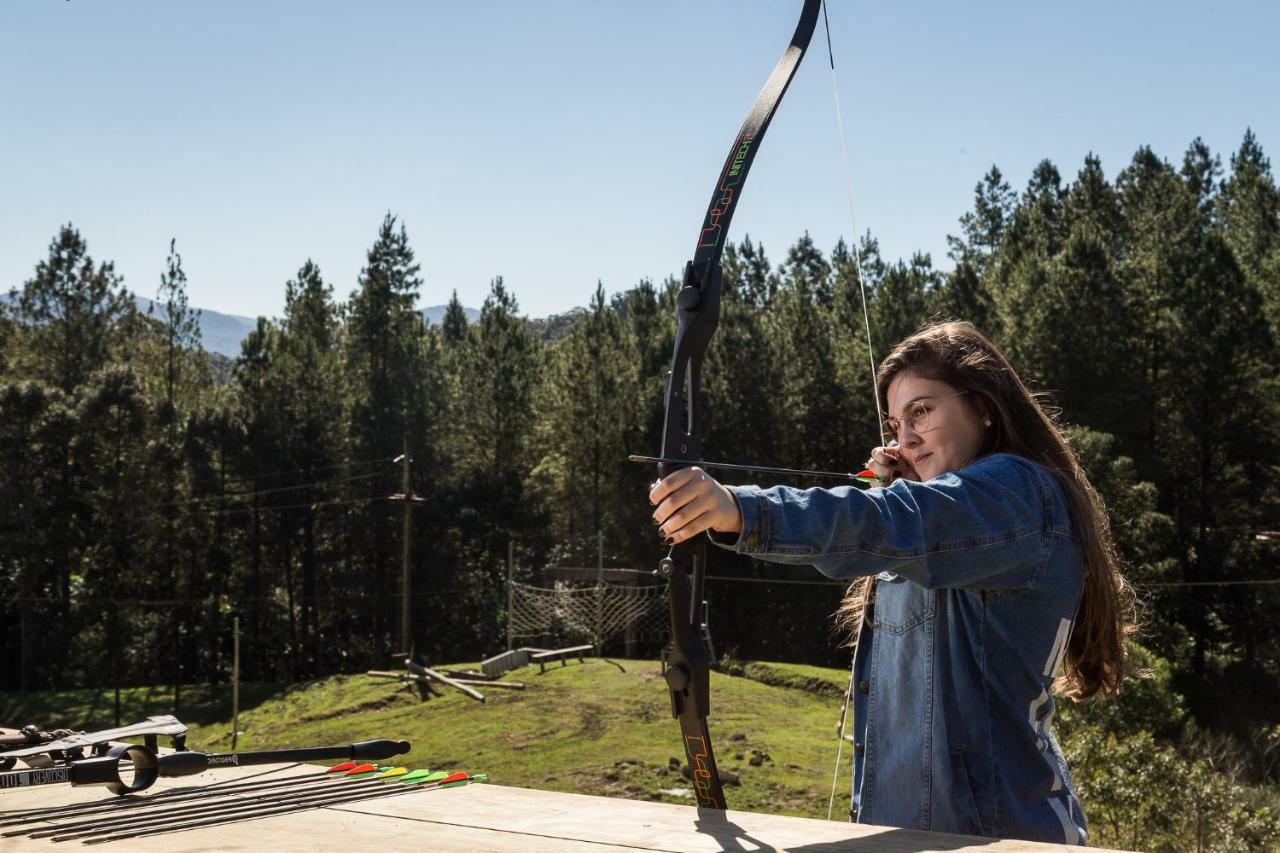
939, 427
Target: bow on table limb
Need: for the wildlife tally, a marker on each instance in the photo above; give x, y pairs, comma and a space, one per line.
697, 313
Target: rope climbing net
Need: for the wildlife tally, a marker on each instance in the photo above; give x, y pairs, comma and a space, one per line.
600, 612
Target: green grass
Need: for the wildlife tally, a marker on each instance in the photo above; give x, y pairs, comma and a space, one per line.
599, 728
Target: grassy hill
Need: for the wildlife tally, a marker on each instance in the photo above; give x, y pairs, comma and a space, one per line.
603, 727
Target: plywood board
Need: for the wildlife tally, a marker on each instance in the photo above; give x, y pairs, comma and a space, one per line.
488, 817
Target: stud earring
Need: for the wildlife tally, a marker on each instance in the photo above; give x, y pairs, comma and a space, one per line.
987, 422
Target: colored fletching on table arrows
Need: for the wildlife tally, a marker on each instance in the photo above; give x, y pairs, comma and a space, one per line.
479, 777
393, 772
416, 777
341, 768
361, 770
453, 778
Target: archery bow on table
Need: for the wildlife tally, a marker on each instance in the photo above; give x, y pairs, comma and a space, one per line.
130, 768
697, 313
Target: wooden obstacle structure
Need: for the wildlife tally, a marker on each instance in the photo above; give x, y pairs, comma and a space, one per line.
507, 661
562, 655
426, 678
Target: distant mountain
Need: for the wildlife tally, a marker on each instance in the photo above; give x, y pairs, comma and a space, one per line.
220, 333
223, 333
435, 314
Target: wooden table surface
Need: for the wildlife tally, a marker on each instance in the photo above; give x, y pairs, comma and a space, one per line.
482, 817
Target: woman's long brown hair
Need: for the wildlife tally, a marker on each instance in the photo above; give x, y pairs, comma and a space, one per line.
958, 354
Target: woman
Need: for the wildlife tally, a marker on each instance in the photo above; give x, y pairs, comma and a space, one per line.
985, 567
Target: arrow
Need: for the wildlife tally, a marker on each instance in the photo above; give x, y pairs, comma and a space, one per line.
191, 763
865, 476
357, 783
232, 812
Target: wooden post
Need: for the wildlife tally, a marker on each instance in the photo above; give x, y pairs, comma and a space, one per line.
598, 635
235, 681
407, 489
22, 656
511, 574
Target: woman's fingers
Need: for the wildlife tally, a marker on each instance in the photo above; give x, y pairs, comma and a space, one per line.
885, 463
665, 494
692, 519
664, 487
690, 501
677, 491
889, 465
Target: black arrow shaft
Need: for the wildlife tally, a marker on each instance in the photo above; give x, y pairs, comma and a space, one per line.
732, 466
263, 810
173, 796
184, 811
190, 763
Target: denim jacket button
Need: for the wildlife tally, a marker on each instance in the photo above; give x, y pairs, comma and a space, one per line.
864, 688
753, 539
858, 749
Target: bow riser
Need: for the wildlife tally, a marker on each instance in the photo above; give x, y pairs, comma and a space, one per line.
688, 673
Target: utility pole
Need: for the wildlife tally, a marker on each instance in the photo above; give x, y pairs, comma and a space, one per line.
407, 497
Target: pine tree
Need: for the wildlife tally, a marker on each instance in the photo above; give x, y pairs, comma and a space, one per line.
72, 309
454, 325
307, 371
1159, 211
587, 414
983, 228
384, 363
1249, 207
181, 329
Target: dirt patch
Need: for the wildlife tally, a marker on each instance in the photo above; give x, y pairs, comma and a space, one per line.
766, 674
372, 705
592, 725
629, 779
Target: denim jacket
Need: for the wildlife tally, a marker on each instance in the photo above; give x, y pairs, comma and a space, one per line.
977, 582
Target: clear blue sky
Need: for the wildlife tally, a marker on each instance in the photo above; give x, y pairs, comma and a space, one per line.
558, 143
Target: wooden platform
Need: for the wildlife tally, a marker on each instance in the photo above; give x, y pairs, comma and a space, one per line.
487, 817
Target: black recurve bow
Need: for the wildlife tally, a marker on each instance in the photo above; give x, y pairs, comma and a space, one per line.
697, 313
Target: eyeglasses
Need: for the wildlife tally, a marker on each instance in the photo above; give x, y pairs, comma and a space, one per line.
916, 417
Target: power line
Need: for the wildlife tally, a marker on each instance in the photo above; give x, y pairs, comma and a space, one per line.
242, 510
242, 495
308, 470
